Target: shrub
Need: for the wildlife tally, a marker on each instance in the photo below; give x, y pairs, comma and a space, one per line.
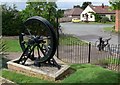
3, 48
105, 19
113, 18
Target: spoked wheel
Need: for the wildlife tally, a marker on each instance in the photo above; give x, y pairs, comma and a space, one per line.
38, 41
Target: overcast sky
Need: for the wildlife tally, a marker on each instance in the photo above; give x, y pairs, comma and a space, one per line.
62, 4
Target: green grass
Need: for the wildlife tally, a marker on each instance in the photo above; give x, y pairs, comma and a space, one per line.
97, 23
85, 73
91, 74
12, 45
20, 78
110, 29
113, 61
70, 40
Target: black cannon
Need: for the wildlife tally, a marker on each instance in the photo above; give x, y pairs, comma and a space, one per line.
38, 42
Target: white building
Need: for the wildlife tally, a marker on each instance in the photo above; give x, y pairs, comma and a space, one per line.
101, 10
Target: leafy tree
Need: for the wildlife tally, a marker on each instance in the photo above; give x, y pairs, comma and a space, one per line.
60, 13
43, 9
11, 20
115, 4
77, 6
85, 4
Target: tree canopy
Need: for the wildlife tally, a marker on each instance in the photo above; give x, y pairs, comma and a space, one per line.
43, 9
115, 4
85, 4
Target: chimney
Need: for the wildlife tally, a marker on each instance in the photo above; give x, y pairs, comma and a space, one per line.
102, 5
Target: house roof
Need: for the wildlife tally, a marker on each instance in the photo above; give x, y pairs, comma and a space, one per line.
102, 9
73, 12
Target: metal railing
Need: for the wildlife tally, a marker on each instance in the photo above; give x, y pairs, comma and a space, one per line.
72, 50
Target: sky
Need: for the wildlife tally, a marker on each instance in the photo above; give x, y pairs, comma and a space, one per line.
62, 4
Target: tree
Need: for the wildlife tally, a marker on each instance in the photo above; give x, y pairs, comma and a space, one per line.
77, 6
43, 9
116, 6
11, 20
85, 4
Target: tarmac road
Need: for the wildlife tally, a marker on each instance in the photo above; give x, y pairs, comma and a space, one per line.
89, 32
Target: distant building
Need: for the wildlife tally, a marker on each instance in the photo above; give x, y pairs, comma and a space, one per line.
71, 13
74, 13
101, 10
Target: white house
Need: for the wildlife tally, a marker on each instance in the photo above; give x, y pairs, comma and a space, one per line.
101, 10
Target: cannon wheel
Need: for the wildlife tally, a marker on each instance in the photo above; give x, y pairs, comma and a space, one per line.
38, 38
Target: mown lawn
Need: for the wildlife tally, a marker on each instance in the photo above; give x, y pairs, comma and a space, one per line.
85, 73
12, 45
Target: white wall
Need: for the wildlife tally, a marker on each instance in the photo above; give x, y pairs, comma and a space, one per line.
109, 16
87, 10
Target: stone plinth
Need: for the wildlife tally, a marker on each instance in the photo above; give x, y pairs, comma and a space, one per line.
43, 72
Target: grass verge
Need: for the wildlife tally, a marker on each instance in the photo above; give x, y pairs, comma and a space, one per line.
96, 23
85, 73
70, 40
110, 29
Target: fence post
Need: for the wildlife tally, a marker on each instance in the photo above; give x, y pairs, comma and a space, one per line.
89, 53
57, 36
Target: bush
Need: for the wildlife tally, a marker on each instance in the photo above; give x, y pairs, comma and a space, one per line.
3, 48
105, 19
113, 18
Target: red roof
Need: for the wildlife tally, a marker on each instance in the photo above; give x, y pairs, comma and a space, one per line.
102, 9
73, 12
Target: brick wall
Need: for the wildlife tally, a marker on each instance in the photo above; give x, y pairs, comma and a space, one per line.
117, 23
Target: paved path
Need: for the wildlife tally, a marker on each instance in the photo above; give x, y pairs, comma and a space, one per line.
89, 32
4, 81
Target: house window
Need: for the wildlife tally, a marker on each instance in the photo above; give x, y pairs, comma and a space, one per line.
82, 15
90, 16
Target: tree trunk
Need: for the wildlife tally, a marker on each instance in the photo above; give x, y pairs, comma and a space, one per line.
117, 21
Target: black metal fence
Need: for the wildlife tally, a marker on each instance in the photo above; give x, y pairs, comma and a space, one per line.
72, 50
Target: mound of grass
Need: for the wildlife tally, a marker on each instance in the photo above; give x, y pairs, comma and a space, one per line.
87, 73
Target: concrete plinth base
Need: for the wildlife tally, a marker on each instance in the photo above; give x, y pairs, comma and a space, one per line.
43, 72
